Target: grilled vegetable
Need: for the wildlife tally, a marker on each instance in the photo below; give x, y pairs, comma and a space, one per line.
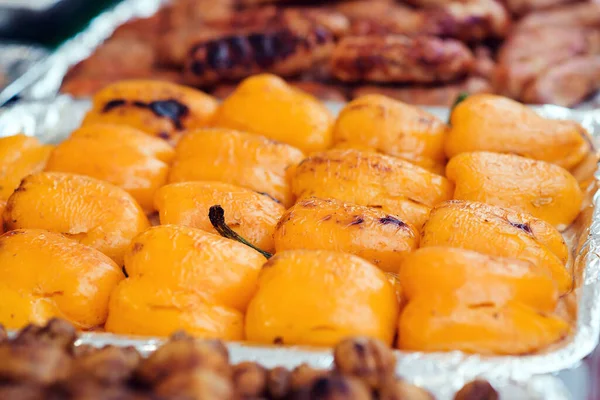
158, 108
123, 156
393, 128
184, 278
46, 275
287, 308
238, 158
253, 215
486, 122
370, 179
444, 324
372, 234
499, 232
266, 105
541, 189
20, 156
474, 278
90, 211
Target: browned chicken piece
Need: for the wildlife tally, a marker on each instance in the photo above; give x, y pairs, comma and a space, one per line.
195, 384
478, 389
36, 362
566, 84
143, 29
381, 17
395, 389
182, 13
87, 85
469, 20
576, 15
527, 54
108, 366
22, 391
279, 383
118, 56
250, 380
443, 96
522, 7
368, 360
182, 355
287, 51
304, 375
175, 45
397, 58
284, 52
485, 66
56, 332
334, 387
92, 390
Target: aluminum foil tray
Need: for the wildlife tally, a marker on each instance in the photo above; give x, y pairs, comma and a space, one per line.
43, 79
441, 372
16, 59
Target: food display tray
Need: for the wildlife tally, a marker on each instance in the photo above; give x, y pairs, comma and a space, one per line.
443, 373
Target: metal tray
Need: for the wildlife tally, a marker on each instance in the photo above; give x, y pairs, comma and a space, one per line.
54, 120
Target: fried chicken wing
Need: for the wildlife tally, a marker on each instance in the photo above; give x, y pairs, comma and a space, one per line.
396, 58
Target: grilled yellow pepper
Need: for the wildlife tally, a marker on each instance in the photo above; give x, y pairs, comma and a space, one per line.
158, 108
499, 232
486, 122
92, 212
46, 275
290, 306
238, 158
184, 278
541, 189
266, 105
394, 128
252, 215
370, 179
117, 154
372, 234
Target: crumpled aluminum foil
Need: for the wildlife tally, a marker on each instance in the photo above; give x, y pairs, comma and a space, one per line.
16, 59
441, 372
43, 79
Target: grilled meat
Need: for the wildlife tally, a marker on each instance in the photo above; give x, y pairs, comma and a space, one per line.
576, 15
466, 20
396, 58
567, 83
529, 53
444, 95
294, 47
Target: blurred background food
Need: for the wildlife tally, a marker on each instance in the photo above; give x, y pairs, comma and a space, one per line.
418, 51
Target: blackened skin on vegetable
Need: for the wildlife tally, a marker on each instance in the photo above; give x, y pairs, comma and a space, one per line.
216, 215
169, 108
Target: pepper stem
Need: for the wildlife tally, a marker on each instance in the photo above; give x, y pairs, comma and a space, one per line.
216, 214
462, 96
